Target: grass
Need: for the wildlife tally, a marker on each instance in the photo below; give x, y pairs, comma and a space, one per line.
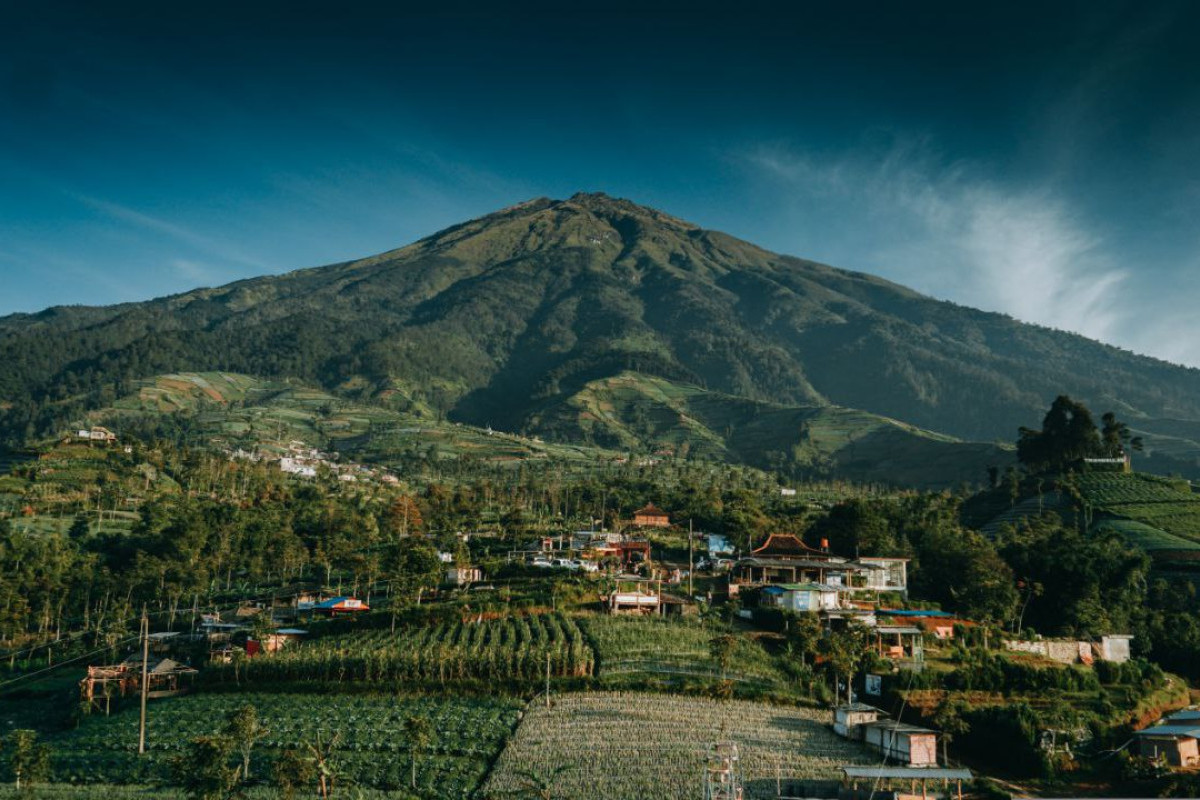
633, 645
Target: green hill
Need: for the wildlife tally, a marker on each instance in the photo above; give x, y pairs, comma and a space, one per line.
504, 321
628, 409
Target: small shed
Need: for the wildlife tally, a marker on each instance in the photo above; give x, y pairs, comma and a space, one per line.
900, 642
1174, 744
1115, 647
849, 719
903, 743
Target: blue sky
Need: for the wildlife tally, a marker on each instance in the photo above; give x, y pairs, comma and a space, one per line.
1042, 162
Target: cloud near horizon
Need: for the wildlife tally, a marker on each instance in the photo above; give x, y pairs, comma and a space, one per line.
944, 230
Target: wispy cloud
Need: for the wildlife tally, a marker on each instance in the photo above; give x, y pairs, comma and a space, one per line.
211, 246
947, 231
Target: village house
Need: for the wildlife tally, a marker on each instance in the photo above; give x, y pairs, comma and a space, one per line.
651, 517
849, 719
165, 677
97, 434
1174, 744
801, 597
901, 743
461, 576
784, 558
635, 597
1174, 740
276, 641
884, 574
340, 606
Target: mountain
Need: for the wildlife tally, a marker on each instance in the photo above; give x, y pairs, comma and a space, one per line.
510, 320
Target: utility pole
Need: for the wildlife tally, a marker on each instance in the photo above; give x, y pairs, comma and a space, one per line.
547, 679
145, 680
691, 560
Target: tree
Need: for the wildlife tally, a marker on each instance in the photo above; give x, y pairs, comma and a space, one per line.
844, 651
419, 732
404, 516
721, 648
28, 759
962, 570
804, 633
950, 719
1115, 436
203, 769
1074, 583
291, 771
323, 754
1069, 434
244, 729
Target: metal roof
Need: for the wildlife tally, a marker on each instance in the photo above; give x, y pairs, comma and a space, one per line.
907, 629
810, 586
934, 773
898, 727
1189, 731
1185, 714
804, 563
904, 612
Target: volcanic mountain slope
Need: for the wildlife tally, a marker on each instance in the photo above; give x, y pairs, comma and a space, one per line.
505, 319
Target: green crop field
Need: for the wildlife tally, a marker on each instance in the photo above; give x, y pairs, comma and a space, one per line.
626, 644
1148, 538
513, 648
631, 745
372, 751
1162, 503
67, 791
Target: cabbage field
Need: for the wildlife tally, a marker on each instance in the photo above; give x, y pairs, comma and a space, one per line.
633, 745
466, 735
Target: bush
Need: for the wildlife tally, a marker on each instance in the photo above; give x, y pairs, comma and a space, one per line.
1007, 737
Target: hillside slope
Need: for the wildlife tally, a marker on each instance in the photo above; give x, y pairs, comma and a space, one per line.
498, 320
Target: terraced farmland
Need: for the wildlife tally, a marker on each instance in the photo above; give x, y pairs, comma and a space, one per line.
1150, 539
657, 645
1167, 505
510, 649
629, 746
373, 749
